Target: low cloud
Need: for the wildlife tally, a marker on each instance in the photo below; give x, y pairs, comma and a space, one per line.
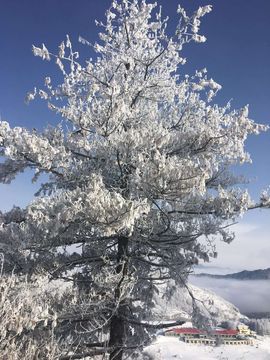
244, 228
248, 296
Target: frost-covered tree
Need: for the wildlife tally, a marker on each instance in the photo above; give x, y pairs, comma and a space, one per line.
139, 175
28, 318
261, 326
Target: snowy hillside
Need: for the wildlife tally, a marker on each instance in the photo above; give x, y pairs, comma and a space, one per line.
167, 348
180, 305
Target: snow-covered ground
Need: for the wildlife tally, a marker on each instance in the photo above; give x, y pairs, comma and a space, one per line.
167, 348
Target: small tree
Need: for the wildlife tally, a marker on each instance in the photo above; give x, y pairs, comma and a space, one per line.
138, 175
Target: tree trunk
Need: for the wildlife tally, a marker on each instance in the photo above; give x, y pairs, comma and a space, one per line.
118, 324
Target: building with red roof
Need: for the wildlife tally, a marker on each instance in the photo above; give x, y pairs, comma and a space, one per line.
212, 337
185, 331
225, 332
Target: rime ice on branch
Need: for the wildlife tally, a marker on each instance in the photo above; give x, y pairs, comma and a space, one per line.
139, 172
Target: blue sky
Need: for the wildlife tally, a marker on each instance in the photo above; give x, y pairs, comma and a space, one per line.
236, 54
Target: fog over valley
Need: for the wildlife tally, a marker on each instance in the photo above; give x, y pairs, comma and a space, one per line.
249, 296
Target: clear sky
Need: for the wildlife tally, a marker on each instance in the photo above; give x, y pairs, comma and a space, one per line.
236, 54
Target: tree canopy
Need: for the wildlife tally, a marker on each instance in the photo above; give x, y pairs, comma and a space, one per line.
139, 180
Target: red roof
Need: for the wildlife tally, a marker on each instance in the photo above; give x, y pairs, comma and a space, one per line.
194, 331
225, 332
185, 331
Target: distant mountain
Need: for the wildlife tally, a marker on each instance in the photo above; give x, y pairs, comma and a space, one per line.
258, 315
242, 275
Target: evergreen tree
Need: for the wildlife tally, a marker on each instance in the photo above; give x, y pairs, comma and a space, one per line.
139, 179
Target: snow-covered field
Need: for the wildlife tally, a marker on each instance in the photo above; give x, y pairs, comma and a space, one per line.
167, 348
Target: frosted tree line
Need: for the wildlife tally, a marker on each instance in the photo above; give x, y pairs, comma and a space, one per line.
260, 325
139, 186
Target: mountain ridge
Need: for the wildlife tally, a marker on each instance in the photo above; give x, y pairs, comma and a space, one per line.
259, 274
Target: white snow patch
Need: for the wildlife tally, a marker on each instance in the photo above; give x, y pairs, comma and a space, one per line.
167, 348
